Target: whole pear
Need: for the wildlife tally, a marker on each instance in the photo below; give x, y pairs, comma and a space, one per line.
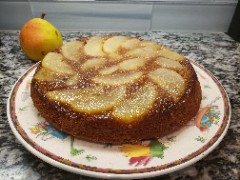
38, 37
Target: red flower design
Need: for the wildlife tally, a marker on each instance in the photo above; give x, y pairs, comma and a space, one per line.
141, 160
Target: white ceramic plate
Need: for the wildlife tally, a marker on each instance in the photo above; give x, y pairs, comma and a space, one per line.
150, 158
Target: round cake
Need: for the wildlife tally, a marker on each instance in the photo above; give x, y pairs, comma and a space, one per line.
116, 89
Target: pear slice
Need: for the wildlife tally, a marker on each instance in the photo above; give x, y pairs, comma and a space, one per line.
72, 80
131, 43
112, 44
139, 104
93, 63
114, 57
118, 79
169, 80
54, 62
88, 100
72, 50
151, 44
69, 95
93, 104
65, 96
94, 46
109, 70
46, 75
132, 64
144, 52
170, 54
99, 103
168, 63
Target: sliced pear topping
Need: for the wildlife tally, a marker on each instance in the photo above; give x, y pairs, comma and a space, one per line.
98, 103
72, 50
112, 44
46, 75
144, 52
170, 54
90, 101
169, 80
118, 79
132, 64
131, 43
68, 95
65, 96
72, 80
114, 57
54, 62
151, 44
168, 63
93, 63
119, 93
93, 104
109, 70
94, 46
129, 64
130, 109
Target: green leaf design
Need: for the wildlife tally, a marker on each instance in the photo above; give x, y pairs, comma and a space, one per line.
171, 138
204, 97
44, 133
74, 151
91, 158
39, 115
23, 108
207, 86
157, 149
200, 139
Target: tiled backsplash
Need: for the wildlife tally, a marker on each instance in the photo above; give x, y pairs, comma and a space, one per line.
169, 15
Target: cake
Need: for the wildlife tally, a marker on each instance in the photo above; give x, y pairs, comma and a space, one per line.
116, 89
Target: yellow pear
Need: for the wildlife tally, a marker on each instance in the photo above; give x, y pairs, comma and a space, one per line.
38, 37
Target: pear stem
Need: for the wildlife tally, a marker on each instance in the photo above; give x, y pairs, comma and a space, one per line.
43, 15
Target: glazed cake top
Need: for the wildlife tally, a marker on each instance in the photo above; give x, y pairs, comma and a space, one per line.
113, 75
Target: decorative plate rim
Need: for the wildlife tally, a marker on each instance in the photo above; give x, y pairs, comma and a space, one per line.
67, 165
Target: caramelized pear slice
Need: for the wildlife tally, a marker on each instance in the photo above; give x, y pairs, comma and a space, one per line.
54, 62
99, 103
168, 63
65, 96
114, 57
72, 50
131, 43
93, 104
72, 80
170, 54
129, 110
169, 80
46, 75
94, 46
88, 100
144, 52
109, 70
151, 44
112, 44
132, 64
118, 79
93, 63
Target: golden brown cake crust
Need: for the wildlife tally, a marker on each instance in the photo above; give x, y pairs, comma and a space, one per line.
165, 116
